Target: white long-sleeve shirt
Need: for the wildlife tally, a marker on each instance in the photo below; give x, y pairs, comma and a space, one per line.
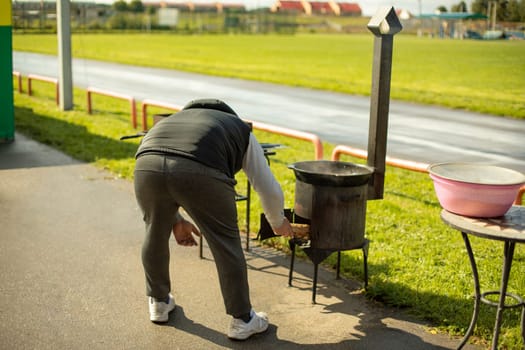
256, 168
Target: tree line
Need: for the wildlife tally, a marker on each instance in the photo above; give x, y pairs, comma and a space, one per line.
505, 10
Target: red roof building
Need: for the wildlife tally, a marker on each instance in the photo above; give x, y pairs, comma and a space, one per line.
288, 6
195, 6
349, 9
317, 7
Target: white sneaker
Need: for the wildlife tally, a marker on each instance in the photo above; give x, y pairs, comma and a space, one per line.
241, 330
159, 310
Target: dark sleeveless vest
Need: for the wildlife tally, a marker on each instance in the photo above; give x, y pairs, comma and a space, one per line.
209, 136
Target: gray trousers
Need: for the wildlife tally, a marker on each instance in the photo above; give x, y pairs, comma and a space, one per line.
165, 183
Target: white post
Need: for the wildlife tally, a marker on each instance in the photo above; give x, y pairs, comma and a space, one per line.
494, 14
65, 76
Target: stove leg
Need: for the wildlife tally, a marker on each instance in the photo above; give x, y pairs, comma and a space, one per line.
338, 267
314, 288
365, 263
523, 323
292, 247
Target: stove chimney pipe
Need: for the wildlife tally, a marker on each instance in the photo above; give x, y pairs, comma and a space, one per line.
384, 24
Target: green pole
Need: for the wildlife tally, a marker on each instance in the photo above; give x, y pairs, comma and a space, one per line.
7, 112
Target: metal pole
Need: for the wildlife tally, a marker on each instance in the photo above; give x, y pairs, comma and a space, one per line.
420, 30
384, 24
42, 15
379, 108
494, 14
65, 76
488, 15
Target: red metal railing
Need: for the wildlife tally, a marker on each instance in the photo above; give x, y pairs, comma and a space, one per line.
32, 77
400, 163
359, 153
519, 198
130, 99
318, 145
147, 103
18, 80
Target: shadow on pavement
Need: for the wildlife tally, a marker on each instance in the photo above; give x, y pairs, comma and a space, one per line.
26, 151
363, 341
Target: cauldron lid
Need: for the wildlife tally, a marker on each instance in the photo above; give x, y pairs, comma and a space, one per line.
332, 173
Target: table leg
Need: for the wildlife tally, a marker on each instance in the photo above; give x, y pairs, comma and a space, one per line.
292, 248
314, 287
338, 267
477, 295
523, 323
507, 263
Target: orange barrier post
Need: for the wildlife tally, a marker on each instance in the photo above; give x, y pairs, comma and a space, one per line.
318, 145
19, 80
355, 152
92, 90
32, 77
261, 126
399, 163
147, 103
519, 198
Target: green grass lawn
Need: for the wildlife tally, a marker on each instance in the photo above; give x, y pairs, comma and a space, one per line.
416, 263
482, 76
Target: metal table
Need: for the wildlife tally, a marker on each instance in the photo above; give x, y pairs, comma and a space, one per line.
510, 229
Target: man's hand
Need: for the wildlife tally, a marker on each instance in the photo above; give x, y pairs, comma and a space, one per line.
285, 229
182, 231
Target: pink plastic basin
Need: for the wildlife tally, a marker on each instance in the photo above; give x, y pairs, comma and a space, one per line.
475, 190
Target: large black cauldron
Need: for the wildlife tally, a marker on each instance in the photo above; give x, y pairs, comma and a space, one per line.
332, 173
332, 196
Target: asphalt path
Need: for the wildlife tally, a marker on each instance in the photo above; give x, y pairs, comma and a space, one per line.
416, 132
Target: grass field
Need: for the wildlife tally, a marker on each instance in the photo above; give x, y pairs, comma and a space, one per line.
482, 76
416, 263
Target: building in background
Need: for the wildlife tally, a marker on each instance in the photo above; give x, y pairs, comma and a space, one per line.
317, 7
190, 6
